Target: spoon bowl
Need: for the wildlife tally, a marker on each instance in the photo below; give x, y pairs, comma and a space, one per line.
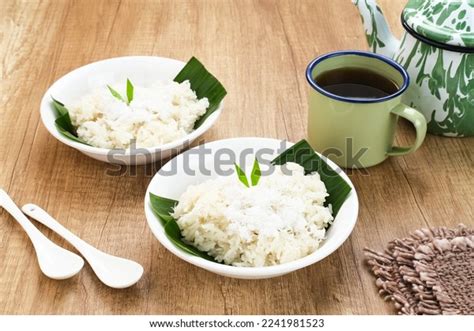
113, 271
54, 261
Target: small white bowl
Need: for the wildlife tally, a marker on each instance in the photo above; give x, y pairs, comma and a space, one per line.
172, 180
142, 70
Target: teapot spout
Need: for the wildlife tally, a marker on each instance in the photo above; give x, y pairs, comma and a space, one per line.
378, 34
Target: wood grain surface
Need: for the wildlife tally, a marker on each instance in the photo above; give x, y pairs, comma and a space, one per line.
259, 50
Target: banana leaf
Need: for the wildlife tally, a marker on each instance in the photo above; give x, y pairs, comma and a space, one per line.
304, 155
162, 208
63, 122
204, 84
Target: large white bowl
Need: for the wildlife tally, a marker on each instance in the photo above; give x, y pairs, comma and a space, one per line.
171, 181
142, 70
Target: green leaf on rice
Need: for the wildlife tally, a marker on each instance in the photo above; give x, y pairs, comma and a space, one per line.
241, 175
300, 153
129, 91
204, 84
116, 94
256, 173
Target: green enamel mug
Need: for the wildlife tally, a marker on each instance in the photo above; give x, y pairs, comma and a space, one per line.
359, 132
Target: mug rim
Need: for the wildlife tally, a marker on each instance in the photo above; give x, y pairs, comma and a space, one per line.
387, 60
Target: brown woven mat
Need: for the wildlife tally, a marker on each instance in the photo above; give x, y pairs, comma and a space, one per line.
429, 272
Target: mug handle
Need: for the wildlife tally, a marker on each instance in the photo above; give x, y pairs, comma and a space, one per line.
418, 121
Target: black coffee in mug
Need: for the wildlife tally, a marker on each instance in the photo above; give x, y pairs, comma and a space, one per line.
352, 82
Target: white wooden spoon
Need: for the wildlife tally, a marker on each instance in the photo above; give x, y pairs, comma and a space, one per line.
54, 261
113, 271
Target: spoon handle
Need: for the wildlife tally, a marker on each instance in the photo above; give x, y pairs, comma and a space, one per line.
44, 218
37, 238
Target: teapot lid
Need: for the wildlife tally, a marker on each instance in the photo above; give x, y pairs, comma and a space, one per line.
446, 22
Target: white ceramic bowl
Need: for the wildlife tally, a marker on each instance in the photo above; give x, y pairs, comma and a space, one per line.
142, 70
171, 181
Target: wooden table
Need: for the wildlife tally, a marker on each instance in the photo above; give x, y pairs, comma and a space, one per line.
259, 50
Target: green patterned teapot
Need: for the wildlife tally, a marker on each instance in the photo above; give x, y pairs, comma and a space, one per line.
437, 49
